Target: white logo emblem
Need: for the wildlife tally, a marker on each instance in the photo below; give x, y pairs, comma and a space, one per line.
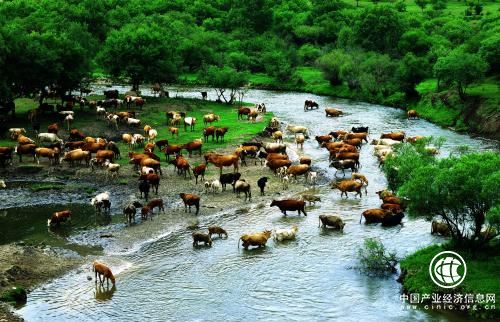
444, 269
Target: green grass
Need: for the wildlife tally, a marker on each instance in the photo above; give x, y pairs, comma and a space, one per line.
482, 271
454, 7
152, 114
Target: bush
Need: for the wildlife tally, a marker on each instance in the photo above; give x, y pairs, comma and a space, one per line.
374, 258
15, 295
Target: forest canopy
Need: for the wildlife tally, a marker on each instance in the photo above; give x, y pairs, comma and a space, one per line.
378, 49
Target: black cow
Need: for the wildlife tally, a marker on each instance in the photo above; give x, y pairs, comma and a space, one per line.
262, 184
229, 178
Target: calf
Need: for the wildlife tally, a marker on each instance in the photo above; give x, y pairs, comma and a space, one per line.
156, 203
262, 184
199, 171
212, 230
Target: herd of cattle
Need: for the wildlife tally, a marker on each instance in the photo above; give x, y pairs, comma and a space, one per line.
342, 146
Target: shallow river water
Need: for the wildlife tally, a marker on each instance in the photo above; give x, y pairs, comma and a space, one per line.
310, 279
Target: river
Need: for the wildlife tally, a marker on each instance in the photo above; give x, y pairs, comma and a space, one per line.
310, 279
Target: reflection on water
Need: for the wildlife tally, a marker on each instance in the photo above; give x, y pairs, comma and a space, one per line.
305, 279
104, 293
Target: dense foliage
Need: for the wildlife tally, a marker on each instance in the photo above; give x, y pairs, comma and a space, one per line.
379, 50
462, 190
375, 259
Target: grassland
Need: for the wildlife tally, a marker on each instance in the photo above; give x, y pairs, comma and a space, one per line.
152, 114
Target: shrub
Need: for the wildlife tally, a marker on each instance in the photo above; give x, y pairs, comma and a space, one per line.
374, 258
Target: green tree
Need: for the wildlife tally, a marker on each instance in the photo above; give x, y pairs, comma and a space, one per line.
374, 258
142, 52
379, 28
460, 68
490, 51
421, 4
446, 189
223, 79
411, 71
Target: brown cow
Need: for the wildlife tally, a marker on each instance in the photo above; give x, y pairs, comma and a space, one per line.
189, 200
199, 171
156, 203
53, 128
220, 133
375, 215
275, 164
397, 136
338, 133
182, 165
28, 149
221, 161
347, 148
74, 145
256, 239
103, 271
199, 236
290, 205
154, 181
209, 131
276, 156
174, 131
77, 155
412, 114
361, 136
74, 135
395, 208
51, 154
151, 163
323, 138
212, 230
332, 145
94, 147
195, 145
346, 186
172, 149
102, 155
360, 177
333, 112
21, 140
59, 217
440, 228
297, 170
243, 111
305, 160
354, 142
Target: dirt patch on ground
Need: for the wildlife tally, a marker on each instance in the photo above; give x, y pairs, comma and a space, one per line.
29, 266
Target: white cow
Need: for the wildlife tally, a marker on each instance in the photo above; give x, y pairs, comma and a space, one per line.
285, 234
49, 137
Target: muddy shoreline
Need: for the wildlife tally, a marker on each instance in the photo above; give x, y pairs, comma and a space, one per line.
41, 263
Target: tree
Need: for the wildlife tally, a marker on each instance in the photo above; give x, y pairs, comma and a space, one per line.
374, 258
142, 52
460, 68
224, 78
445, 188
421, 4
411, 71
490, 51
379, 28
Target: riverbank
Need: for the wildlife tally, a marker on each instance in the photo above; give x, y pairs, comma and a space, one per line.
29, 266
482, 277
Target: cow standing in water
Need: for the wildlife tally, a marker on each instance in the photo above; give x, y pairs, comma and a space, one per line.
104, 273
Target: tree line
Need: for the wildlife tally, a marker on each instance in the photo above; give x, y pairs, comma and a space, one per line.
379, 51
